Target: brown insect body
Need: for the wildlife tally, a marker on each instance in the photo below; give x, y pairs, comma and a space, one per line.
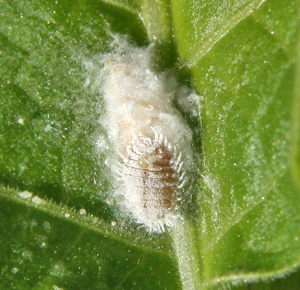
151, 173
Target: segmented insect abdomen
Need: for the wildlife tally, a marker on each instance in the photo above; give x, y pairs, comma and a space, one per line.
152, 175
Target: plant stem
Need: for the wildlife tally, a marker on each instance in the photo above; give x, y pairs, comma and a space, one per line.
184, 237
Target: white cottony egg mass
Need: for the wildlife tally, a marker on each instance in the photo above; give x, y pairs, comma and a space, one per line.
150, 138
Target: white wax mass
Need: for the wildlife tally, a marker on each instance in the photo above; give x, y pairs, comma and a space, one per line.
150, 137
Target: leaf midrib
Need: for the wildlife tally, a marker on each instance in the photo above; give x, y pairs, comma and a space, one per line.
86, 222
210, 41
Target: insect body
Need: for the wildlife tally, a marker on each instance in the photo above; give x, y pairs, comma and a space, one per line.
149, 136
151, 172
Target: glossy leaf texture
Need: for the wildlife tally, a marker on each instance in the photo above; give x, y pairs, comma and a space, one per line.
59, 229
243, 61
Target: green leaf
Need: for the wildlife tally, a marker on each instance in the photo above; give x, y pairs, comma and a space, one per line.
242, 60
59, 229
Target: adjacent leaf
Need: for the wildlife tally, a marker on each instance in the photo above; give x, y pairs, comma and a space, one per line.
242, 59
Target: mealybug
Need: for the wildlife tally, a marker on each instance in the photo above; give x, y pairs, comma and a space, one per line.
151, 139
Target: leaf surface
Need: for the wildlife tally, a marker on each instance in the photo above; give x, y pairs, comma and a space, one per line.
59, 227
